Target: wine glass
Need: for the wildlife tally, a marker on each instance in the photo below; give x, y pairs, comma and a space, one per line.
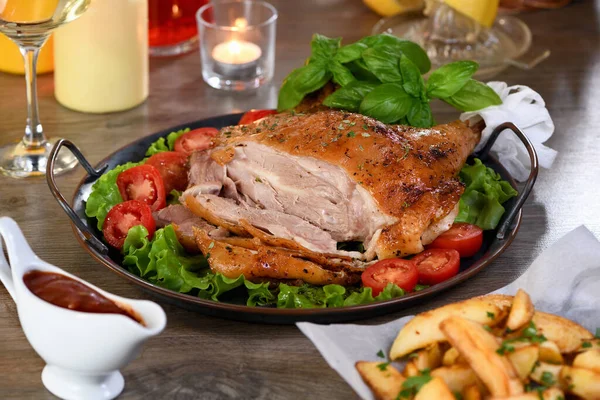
29, 23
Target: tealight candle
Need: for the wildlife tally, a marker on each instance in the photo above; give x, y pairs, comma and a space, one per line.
236, 52
237, 43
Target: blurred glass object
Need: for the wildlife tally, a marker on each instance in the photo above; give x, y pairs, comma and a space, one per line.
524, 5
172, 26
455, 30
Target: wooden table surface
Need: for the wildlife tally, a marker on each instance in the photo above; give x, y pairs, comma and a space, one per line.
211, 358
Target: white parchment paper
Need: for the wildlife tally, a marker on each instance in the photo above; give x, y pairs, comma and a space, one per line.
563, 280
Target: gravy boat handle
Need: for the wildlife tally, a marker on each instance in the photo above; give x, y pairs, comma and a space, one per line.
19, 252
6, 274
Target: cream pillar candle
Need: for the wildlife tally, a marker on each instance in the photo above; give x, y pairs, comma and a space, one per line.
101, 60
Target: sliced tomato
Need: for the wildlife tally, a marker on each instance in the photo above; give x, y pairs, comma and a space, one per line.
196, 140
123, 217
464, 238
254, 115
143, 183
436, 265
393, 270
173, 169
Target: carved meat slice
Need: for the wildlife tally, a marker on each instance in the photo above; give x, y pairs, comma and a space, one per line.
267, 263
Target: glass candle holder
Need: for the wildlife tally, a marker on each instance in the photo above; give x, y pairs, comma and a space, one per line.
237, 44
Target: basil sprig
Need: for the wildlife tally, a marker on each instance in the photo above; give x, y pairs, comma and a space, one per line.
381, 76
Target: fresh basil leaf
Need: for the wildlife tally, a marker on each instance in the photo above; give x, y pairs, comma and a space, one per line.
420, 115
382, 64
323, 48
341, 75
360, 70
288, 96
412, 81
301, 82
350, 96
450, 78
473, 96
350, 52
388, 103
416, 54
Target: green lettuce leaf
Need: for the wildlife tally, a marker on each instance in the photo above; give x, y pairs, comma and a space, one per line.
105, 194
167, 144
485, 192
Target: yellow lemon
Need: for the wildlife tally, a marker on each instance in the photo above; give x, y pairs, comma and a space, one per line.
388, 8
482, 11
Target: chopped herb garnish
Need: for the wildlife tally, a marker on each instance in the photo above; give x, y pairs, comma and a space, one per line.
341, 127
505, 348
383, 366
413, 355
360, 167
244, 128
361, 148
406, 151
548, 378
413, 384
324, 144
351, 134
597, 335
346, 121
257, 179
211, 245
281, 140
490, 315
365, 126
365, 134
207, 255
457, 395
228, 133
487, 328
380, 354
406, 204
586, 345
571, 386
335, 139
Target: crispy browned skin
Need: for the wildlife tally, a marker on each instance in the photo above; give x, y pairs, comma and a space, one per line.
266, 262
411, 172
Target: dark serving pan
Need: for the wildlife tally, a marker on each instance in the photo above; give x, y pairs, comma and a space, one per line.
495, 242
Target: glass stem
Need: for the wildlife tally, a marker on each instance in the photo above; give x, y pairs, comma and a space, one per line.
34, 133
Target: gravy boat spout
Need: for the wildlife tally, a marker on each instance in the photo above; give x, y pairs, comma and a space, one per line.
83, 350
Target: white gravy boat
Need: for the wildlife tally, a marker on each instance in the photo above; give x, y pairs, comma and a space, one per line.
83, 351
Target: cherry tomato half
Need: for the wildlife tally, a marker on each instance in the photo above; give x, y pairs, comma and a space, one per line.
196, 140
393, 270
464, 238
255, 115
143, 183
124, 216
436, 265
173, 168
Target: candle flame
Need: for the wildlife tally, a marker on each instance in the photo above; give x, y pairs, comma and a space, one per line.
240, 23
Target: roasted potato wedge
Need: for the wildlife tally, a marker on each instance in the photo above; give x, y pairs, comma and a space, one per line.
548, 394
547, 374
589, 360
457, 377
582, 382
423, 329
524, 360
478, 347
435, 389
550, 353
428, 358
385, 383
567, 334
411, 369
521, 311
451, 356
472, 392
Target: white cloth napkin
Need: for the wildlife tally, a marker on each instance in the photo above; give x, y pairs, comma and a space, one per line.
525, 108
563, 280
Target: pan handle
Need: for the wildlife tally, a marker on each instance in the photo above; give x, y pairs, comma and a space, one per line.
50, 178
484, 153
